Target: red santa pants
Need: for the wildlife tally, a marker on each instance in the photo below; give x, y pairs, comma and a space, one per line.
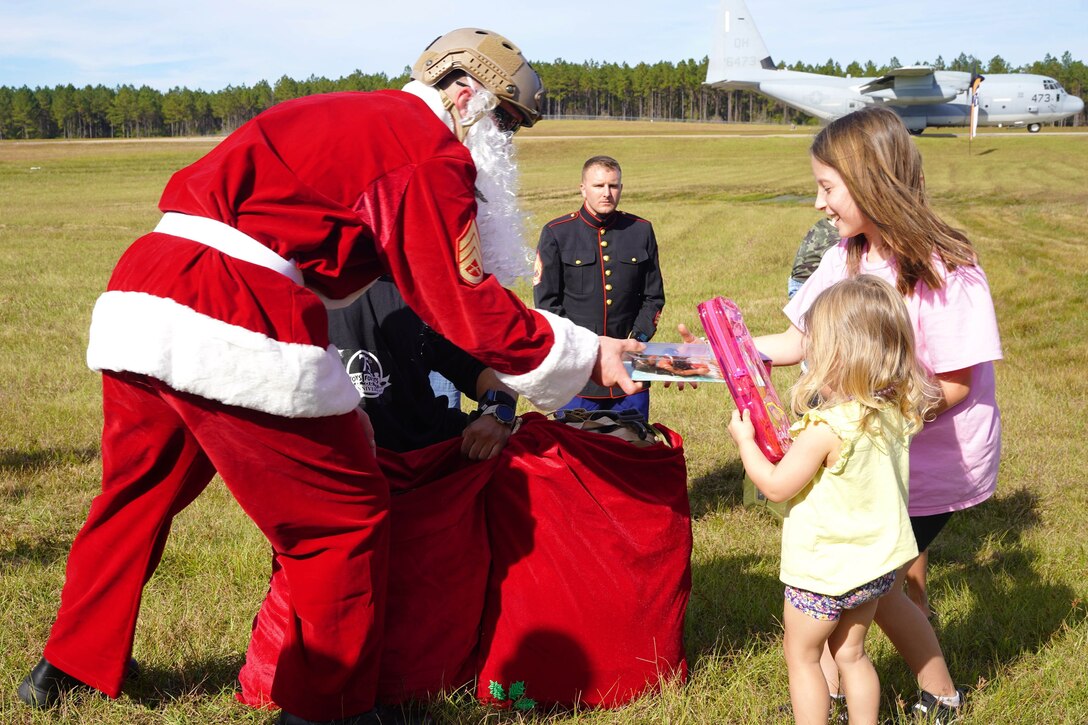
311, 485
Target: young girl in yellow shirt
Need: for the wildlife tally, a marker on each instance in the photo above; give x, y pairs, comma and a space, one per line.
846, 529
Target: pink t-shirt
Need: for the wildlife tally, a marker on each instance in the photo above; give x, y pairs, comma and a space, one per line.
954, 459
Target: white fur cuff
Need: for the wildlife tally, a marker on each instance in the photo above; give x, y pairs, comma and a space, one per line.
565, 370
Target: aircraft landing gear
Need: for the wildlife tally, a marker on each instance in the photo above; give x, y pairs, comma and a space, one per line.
915, 131
1034, 127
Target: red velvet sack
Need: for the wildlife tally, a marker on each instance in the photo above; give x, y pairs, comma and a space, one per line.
585, 602
438, 565
591, 551
439, 559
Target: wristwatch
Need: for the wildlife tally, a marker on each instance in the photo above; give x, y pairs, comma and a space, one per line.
499, 404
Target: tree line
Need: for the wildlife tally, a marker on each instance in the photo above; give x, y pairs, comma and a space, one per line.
659, 91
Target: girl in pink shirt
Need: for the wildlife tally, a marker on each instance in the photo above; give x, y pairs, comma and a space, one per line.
869, 183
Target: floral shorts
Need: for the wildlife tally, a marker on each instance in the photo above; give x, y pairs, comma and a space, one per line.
829, 608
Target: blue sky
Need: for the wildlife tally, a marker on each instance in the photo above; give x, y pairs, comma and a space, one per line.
211, 44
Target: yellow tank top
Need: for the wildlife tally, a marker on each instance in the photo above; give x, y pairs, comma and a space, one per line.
849, 525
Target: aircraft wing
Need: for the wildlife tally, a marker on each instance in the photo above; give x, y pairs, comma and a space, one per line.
916, 85
888, 80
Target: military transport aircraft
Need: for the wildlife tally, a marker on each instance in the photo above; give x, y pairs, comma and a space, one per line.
921, 95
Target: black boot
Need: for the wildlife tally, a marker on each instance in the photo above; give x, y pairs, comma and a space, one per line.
45, 684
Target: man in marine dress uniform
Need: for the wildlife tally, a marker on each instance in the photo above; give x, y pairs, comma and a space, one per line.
598, 267
212, 340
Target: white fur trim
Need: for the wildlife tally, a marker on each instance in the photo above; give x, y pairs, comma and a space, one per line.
227, 240
565, 370
236, 244
194, 353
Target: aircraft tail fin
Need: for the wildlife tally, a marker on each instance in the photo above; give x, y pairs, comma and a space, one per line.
738, 45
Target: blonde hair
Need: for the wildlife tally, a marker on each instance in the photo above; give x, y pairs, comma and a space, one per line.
873, 152
860, 347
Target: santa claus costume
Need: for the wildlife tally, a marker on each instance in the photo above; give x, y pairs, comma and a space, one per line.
212, 340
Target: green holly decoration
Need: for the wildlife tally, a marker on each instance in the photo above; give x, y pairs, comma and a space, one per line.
515, 698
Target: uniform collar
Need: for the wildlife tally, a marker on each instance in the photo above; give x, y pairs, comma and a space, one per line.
597, 222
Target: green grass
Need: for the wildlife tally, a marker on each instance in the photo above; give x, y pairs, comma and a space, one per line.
729, 205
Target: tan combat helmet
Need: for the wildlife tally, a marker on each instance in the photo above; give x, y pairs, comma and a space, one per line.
489, 58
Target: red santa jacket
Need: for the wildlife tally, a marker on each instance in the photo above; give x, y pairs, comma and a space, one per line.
314, 199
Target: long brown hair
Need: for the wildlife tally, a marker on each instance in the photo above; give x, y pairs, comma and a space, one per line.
882, 169
859, 344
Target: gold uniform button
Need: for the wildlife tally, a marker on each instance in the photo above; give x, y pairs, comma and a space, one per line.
604, 243
577, 261
634, 259
608, 302
608, 287
608, 273
606, 258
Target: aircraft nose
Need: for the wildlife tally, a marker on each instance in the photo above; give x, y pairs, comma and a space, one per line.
1074, 104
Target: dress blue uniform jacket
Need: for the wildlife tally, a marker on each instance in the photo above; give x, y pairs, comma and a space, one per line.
602, 273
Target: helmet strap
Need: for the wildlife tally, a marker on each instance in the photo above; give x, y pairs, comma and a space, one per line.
461, 125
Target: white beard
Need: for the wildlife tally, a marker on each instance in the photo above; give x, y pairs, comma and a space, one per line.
498, 216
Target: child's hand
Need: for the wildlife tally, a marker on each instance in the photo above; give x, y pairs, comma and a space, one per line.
741, 428
686, 336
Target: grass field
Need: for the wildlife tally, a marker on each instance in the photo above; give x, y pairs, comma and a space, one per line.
729, 205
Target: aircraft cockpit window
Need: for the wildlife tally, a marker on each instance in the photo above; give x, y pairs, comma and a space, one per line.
1051, 85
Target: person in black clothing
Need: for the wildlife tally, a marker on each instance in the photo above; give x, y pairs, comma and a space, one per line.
388, 352
598, 267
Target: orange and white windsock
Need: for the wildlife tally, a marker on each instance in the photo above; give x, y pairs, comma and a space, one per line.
975, 83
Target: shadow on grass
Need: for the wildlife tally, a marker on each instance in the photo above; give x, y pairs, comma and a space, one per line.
156, 688
1012, 611
715, 621
717, 489
1009, 612
13, 459
41, 552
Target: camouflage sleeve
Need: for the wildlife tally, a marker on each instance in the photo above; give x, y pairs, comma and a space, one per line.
819, 238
